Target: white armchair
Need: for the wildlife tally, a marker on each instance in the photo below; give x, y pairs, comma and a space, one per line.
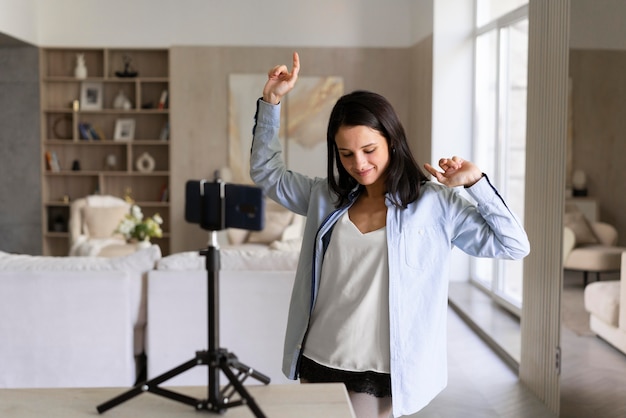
590, 246
92, 224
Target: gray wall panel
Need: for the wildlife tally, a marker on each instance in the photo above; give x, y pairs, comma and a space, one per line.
20, 166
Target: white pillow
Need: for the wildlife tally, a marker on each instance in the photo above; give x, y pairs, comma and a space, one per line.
583, 232
287, 245
294, 229
237, 236
275, 224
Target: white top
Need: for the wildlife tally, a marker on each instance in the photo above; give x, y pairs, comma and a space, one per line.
350, 322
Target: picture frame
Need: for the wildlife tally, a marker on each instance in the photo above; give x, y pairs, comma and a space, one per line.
91, 95
124, 130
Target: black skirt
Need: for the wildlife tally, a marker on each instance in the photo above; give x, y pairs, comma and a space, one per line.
370, 382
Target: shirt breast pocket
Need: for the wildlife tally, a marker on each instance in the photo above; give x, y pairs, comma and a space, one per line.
423, 247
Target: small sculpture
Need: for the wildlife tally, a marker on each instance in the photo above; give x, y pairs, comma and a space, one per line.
579, 183
128, 69
128, 195
111, 162
121, 101
145, 163
80, 71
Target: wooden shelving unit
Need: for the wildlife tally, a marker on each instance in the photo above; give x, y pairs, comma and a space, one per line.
104, 165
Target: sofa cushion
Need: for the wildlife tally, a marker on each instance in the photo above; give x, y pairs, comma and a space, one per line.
248, 257
140, 261
101, 222
287, 245
602, 300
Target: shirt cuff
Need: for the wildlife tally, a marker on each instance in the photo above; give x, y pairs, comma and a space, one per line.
267, 112
482, 189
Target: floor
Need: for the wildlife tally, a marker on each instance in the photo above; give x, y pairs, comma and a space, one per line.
480, 384
593, 378
483, 382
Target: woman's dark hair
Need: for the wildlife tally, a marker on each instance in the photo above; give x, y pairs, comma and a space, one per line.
364, 108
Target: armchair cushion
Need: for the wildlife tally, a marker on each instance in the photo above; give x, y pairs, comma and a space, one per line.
102, 221
93, 219
583, 231
595, 258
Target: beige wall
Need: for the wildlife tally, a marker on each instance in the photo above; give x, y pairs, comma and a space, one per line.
419, 128
199, 103
599, 133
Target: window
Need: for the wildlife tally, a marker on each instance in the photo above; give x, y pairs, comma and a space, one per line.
499, 140
490, 10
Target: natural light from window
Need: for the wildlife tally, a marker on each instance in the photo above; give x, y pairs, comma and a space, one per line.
501, 54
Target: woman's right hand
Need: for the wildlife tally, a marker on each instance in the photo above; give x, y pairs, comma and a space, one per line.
280, 81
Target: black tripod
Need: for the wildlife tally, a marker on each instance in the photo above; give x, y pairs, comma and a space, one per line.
217, 359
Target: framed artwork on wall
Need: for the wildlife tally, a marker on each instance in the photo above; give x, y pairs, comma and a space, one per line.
304, 119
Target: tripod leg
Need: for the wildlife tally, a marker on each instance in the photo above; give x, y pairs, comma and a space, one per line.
248, 370
242, 390
151, 386
244, 373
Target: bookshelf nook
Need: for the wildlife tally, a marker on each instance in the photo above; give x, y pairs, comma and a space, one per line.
104, 112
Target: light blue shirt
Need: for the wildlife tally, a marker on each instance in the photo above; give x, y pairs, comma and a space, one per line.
419, 238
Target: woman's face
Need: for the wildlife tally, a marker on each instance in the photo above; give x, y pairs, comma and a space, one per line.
364, 154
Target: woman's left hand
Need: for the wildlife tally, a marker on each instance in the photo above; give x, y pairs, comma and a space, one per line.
456, 172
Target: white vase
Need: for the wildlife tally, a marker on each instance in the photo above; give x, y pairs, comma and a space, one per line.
121, 101
80, 71
143, 244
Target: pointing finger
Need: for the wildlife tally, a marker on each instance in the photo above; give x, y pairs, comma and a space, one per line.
296, 65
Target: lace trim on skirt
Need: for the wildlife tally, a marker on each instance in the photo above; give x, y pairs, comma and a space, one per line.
370, 382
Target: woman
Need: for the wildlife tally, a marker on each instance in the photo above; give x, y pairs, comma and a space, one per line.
369, 302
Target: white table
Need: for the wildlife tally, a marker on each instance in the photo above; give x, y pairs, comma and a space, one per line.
276, 401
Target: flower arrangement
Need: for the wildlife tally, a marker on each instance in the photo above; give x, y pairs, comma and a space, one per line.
135, 226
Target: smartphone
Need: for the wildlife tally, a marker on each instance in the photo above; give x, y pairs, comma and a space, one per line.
218, 205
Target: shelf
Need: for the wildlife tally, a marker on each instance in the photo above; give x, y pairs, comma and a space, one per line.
106, 165
109, 111
72, 79
105, 142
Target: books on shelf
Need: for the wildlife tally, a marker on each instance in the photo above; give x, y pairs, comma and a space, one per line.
163, 100
164, 196
52, 162
87, 131
165, 132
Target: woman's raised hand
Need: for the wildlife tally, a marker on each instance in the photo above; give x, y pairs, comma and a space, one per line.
280, 81
456, 172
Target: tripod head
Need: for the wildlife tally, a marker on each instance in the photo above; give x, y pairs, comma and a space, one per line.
216, 205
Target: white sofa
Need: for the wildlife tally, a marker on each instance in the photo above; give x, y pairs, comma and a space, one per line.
72, 321
255, 285
606, 304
